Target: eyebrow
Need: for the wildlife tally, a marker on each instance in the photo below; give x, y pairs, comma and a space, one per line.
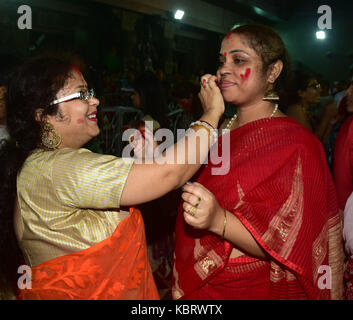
81, 87
235, 51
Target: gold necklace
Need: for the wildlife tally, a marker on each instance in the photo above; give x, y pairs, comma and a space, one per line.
230, 122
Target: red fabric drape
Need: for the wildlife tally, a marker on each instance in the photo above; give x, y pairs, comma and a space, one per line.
116, 268
343, 162
280, 188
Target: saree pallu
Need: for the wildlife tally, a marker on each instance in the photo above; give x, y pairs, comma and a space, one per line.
116, 268
280, 188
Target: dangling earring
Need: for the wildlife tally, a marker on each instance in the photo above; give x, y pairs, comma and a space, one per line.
51, 139
271, 95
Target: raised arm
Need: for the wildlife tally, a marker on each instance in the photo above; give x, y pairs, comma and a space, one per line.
150, 181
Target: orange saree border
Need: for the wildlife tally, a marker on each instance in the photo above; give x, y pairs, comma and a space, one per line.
114, 269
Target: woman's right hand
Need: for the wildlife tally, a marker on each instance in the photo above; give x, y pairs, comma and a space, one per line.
210, 96
143, 143
146, 183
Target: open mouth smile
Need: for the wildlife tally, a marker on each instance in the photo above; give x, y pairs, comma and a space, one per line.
93, 116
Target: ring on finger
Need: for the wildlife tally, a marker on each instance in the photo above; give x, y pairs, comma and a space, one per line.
198, 203
192, 211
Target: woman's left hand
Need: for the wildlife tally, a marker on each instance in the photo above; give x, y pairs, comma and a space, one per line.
201, 208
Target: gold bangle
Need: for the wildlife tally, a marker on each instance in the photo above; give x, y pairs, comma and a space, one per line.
212, 132
200, 125
224, 223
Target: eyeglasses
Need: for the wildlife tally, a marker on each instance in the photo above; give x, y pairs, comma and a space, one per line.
315, 86
83, 95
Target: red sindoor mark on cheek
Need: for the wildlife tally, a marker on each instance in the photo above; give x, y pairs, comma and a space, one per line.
245, 76
80, 121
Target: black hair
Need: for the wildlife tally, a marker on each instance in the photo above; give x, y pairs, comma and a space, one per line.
33, 86
8, 64
300, 82
270, 48
183, 89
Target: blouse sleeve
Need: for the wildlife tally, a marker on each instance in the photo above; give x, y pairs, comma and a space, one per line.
348, 225
84, 179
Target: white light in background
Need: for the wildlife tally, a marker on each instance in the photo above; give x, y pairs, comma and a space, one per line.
179, 14
320, 35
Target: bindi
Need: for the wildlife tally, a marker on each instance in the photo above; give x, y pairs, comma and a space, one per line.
225, 53
245, 75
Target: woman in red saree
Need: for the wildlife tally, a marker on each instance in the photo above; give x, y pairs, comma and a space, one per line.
269, 228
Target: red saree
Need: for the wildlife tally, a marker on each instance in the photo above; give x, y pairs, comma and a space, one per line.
280, 188
343, 162
116, 268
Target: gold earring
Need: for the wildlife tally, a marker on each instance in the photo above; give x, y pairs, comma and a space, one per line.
51, 139
271, 95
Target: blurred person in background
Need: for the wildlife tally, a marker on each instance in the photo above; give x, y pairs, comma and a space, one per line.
343, 173
343, 155
7, 64
151, 98
307, 93
185, 95
340, 93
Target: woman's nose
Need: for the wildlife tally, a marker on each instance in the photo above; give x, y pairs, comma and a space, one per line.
93, 101
223, 70
221, 73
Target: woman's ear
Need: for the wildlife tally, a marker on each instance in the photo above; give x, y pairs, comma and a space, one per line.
38, 115
274, 71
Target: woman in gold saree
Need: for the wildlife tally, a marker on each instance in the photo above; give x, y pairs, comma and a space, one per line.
73, 210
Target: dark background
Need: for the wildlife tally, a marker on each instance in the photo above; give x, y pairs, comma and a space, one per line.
125, 36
